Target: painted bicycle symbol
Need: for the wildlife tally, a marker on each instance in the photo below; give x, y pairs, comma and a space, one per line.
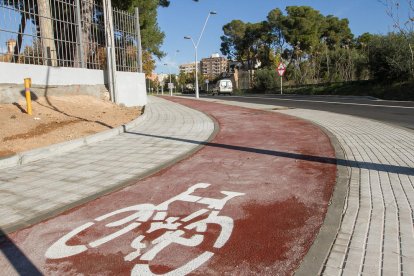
157, 215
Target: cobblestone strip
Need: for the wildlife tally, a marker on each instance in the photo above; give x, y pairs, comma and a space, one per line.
30, 191
376, 236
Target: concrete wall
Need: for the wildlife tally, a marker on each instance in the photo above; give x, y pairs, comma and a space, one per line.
13, 93
131, 89
47, 75
52, 81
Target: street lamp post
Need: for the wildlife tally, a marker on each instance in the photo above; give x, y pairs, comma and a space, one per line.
169, 73
175, 58
162, 84
195, 49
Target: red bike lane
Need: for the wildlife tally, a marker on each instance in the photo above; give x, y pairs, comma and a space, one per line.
251, 201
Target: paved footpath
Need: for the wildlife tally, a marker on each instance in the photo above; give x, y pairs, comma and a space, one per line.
376, 233
251, 201
31, 192
376, 236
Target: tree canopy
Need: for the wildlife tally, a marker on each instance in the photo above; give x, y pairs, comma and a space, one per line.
316, 47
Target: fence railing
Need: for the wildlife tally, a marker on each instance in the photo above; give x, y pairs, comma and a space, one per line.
68, 33
126, 46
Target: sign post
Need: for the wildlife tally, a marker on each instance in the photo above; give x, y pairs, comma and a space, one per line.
281, 69
171, 87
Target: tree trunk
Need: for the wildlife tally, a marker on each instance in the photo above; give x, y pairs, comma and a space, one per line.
86, 8
46, 31
412, 59
249, 67
328, 69
19, 41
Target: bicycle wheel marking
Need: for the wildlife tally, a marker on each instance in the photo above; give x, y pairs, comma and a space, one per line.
144, 251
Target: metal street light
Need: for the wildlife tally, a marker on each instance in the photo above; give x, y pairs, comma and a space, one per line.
169, 73
175, 60
195, 49
162, 84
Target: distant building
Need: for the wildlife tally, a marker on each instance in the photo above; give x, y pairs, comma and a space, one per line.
153, 76
163, 78
11, 43
7, 57
214, 66
188, 68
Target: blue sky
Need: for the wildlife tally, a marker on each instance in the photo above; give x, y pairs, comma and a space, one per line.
186, 17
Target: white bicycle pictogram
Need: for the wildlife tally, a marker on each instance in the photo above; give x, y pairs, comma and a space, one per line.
157, 215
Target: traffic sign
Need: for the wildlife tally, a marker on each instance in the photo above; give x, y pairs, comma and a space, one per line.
281, 69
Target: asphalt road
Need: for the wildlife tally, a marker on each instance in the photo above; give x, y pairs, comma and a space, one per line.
393, 112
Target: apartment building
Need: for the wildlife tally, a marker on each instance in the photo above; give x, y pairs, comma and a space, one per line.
214, 66
188, 68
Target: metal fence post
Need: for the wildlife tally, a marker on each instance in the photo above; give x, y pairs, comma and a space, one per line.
138, 32
111, 40
108, 51
80, 38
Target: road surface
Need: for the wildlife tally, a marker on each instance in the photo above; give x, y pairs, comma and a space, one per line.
393, 112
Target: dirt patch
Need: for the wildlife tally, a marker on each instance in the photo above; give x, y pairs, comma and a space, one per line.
57, 119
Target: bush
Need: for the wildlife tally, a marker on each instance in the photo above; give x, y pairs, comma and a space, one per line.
390, 56
266, 80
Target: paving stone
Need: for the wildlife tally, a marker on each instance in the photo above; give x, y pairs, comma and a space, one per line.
391, 272
351, 270
408, 265
336, 259
10, 218
381, 200
331, 271
371, 270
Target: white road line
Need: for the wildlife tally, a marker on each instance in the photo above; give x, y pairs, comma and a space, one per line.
310, 101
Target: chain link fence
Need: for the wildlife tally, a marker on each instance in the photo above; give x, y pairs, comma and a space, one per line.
68, 33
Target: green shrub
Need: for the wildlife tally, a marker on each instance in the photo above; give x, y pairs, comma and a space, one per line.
390, 56
266, 80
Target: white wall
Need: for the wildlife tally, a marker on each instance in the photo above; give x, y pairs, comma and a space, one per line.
131, 87
46, 75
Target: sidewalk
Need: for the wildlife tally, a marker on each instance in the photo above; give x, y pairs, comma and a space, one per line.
34, 191
376, 234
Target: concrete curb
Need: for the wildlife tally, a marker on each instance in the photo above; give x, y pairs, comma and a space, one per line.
314, 260
56, 149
